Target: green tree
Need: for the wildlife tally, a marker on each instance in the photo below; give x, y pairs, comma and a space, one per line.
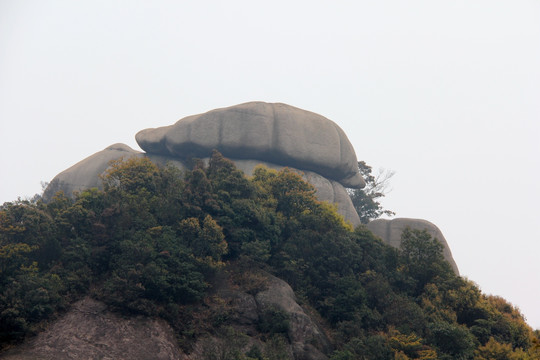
206, 241
494, 350
422, 258
153, 241
452, 339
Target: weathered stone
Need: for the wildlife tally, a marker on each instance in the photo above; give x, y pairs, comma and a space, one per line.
276, 133
303, 330
89, 331
85, 174
390, 232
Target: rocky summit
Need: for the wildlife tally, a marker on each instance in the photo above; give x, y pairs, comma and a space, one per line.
195, 260
274, 135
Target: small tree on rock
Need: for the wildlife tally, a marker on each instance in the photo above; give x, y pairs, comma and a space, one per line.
365, 200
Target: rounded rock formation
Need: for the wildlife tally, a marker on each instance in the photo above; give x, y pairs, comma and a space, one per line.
85, 174
277, 133
390, 232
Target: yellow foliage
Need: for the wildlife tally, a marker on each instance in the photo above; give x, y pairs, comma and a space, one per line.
427, 354
330, 213
506, 308
14, 250
6, 226
206, 240
494, 350
434, 306
400, 355
536, 344
296, 196
132, 174
410, 342
409, 346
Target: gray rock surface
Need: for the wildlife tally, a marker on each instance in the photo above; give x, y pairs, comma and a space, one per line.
89, 331
85, 174
390, 232
304, 332
276, 133
307, 340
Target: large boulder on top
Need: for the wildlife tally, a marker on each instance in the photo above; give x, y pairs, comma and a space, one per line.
390, 232
277, 133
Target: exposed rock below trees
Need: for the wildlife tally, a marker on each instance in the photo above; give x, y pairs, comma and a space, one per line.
277, 133
304, 333
390, 231
90, 331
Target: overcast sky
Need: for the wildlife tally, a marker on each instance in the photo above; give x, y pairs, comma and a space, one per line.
444, 93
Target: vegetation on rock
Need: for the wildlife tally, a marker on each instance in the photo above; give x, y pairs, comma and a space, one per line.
155, 241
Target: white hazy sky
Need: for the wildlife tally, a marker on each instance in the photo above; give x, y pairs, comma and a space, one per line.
444, 93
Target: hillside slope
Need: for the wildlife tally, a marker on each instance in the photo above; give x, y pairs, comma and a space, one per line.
239, 268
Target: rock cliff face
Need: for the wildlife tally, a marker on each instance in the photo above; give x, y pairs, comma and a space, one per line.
275, 135
90, 331
390, 231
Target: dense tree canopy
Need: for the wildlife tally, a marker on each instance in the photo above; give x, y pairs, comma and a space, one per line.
154, 240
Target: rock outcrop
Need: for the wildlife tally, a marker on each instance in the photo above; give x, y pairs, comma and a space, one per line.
275, 135
304, 332
390, 232
85, 174
90, 331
